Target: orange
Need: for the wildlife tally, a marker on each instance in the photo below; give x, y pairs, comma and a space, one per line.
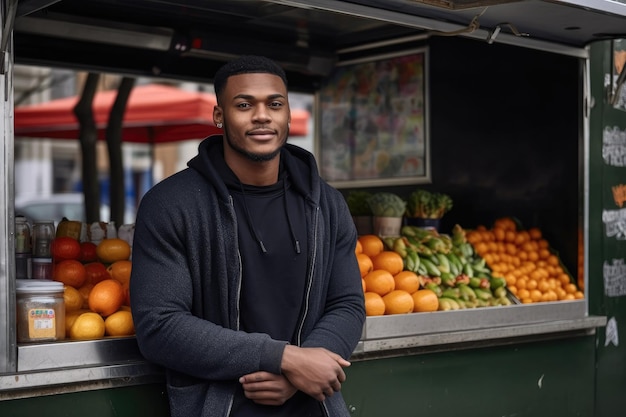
407, 281
120, 271
372, 244
358, 248
96, 272
106, 297
87, 326
499, 233
398, 302
425, 300
535, 233
72, 298
88, 252
389, 261
70, 272
119, 323
505, 223
111, 250
374, 304
70, 318
365, 264
63, 248
363, 285
84, 292
380, 281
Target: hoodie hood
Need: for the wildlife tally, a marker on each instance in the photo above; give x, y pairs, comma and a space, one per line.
299, 163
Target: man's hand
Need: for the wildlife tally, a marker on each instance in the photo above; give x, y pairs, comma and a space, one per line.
266, 388
317, 372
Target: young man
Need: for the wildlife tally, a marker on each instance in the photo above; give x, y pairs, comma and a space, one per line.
245, 286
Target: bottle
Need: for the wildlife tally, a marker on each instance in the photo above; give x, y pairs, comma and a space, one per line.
43, 233
22, 235
23, 266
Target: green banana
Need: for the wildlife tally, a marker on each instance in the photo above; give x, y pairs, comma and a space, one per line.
454, 269
451, 293
389, 242
436, 244
483, 294
458, 235
466, 293
447, 279
444, 304
430, 267
434, 288
503, 301
497, 282
444, 263
455, 260
499, 292
434, 259
399, 245
421, 269
481, 303
412, 261
415, 232
474, 282
454, 304
468, 250
409, 264
468, 270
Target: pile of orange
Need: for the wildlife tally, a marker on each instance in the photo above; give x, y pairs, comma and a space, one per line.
387, 287
97, 279
524, 259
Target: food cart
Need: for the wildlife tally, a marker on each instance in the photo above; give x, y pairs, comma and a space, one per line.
523, 118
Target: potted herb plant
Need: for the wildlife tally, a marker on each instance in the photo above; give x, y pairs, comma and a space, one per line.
387, 210
425, 209
360, 211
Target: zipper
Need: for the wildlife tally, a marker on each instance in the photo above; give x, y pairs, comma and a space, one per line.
309, 278
238, 297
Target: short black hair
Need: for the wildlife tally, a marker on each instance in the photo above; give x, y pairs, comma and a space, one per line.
246, 64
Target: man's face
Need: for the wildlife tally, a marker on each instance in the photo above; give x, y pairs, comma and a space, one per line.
254, 110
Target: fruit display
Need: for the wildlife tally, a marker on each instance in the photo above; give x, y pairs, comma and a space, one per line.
449, 266
466, 269
96, 281
387, 286
524, 259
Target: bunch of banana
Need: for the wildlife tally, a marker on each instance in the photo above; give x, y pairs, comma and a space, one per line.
449, 266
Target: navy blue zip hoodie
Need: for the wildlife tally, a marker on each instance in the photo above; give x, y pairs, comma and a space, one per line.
186, 279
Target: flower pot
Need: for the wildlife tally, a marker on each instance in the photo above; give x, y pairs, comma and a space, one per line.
423, 223
363, 224
387, 226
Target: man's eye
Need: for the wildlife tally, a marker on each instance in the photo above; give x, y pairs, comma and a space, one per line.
276, 104
243, 105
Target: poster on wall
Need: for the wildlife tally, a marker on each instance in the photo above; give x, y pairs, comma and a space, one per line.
616, 80
373, 122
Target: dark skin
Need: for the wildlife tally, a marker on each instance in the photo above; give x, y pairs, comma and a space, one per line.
254, 110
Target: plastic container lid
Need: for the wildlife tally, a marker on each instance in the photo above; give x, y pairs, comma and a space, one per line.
41, 260
28, 286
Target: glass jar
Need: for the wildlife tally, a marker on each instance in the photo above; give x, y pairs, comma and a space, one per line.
42, 268
43, 233
22, 235
40, 310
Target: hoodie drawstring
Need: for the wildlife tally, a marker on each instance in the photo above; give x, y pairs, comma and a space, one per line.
296, 242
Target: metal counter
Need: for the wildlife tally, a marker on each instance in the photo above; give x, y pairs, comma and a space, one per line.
70, 366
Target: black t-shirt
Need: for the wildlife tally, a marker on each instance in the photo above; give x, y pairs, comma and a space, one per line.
274, 280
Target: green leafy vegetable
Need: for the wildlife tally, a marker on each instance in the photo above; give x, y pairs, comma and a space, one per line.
387, 205
427, 205
357, 203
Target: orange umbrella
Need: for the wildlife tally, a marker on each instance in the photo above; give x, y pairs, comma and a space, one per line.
154, 114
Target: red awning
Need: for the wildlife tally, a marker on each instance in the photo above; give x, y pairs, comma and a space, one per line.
154, 114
